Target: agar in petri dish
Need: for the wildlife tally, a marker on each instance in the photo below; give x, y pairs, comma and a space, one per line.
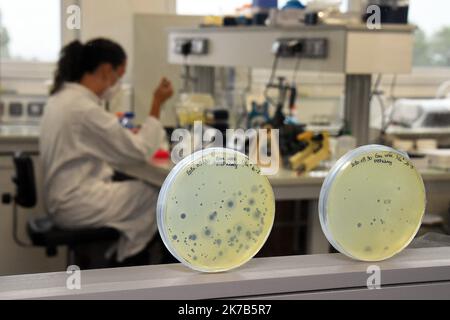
372, 203
215, 210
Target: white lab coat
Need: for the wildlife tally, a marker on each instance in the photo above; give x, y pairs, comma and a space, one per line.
79, 144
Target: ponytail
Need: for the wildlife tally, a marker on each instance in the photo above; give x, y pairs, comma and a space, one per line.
69, 66
77, 59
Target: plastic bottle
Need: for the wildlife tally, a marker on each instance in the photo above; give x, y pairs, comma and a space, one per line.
294, 4
127, 120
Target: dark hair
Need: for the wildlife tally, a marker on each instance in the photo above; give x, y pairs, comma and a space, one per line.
77, 59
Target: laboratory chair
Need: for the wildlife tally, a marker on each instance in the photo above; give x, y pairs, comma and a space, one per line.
42, 231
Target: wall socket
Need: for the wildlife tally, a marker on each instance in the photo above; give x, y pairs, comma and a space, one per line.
310, 48
188, 47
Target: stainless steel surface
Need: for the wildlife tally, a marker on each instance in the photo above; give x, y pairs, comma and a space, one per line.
357, 106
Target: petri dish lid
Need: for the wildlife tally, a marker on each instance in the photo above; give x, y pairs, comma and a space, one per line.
215, 210
372, 203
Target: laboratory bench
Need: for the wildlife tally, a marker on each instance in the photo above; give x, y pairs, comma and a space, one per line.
287, 184
19, 138
413, 274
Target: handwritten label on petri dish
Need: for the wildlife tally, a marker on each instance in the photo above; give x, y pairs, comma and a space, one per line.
217, 212
386, 158
375, 205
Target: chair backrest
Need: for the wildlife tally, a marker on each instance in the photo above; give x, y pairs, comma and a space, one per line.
24, 179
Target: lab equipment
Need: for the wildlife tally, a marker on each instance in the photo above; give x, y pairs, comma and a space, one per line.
268, 4
421, 113
215, 210
192, 107
218, 119
244, 15
324, 5
289, 128
372, 203
261, 10
259, 115
235, 102
255, 45
284, 89
286, 18
316, 149
328, 12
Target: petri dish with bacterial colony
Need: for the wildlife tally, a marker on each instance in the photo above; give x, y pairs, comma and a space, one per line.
372, 203
215, 210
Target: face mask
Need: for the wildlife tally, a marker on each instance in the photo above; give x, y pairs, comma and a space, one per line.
112, 91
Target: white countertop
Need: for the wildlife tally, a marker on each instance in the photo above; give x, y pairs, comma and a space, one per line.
415, 273
158, 171
15, 132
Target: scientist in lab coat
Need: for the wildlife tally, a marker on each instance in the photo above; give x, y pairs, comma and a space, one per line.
80, 141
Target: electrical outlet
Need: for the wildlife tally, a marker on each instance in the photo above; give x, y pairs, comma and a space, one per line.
316, 48
183, 46
16, 109
200, 46
288, 48
188, 47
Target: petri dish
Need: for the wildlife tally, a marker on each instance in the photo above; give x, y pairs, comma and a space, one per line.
215, 210
372, 203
